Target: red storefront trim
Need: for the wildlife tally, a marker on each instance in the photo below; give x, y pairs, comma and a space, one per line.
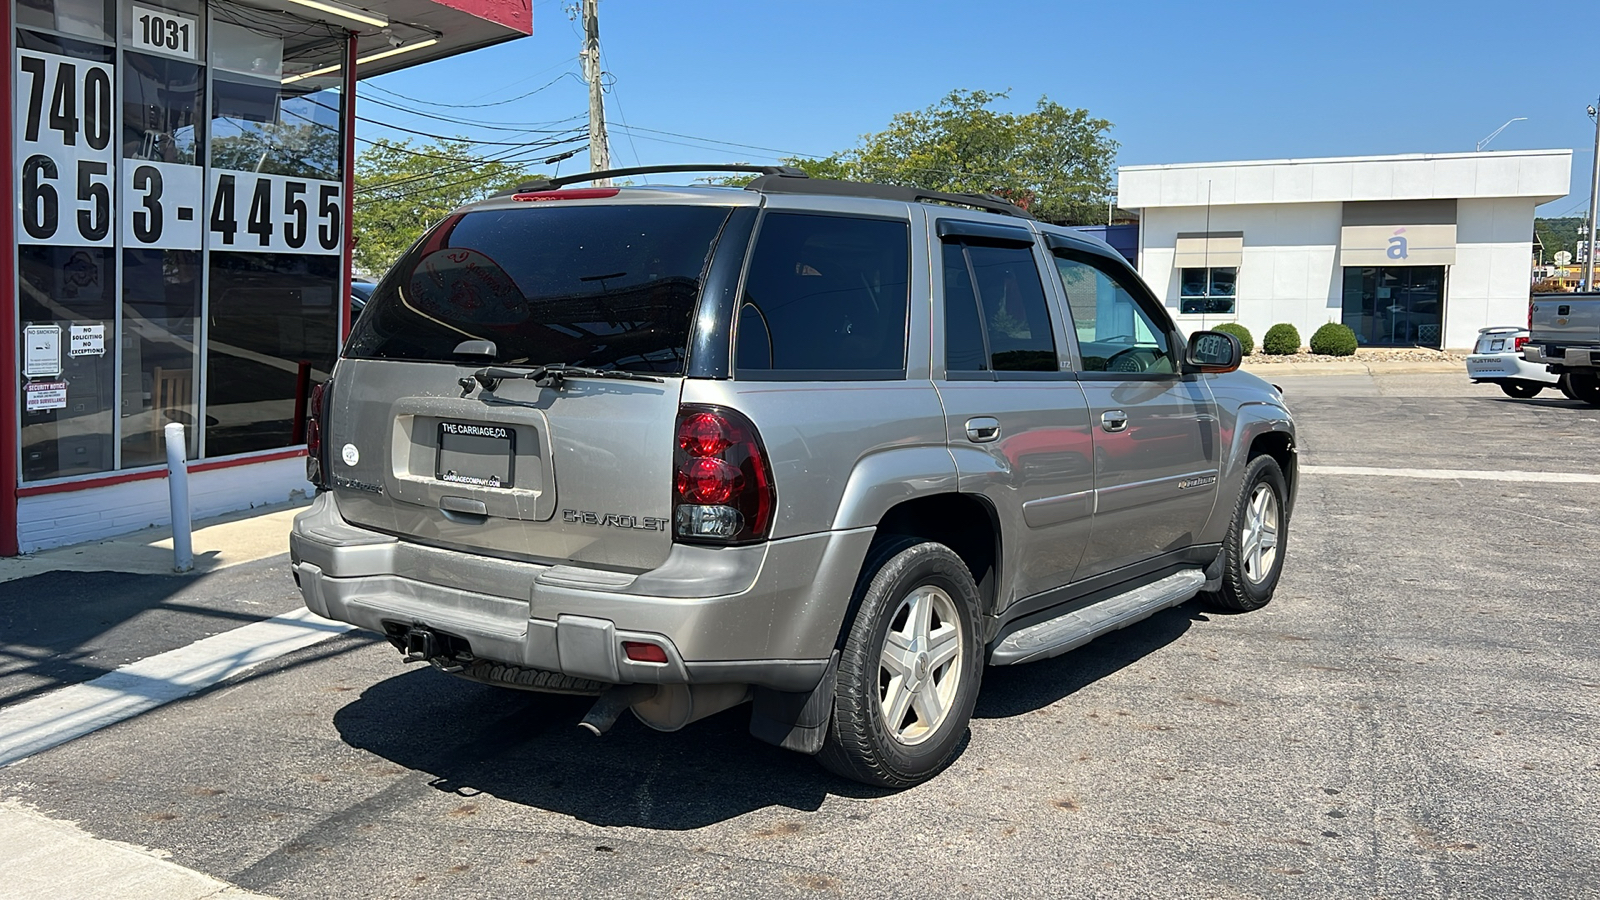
10, 390
517, 14
147, 474
349, 167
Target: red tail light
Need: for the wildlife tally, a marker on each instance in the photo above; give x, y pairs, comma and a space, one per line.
1518, 344
316, 471
722, 486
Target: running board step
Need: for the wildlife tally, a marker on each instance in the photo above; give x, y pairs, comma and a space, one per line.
1054, 637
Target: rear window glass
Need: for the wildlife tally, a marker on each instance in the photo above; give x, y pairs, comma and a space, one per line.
826, 294
610, 287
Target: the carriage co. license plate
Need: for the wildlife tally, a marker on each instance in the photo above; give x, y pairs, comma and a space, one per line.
476, 454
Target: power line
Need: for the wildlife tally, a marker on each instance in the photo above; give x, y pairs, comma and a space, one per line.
788, 153
457, 120
536, 90
622, 120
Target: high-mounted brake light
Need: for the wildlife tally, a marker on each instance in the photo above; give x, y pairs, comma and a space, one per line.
722, 484
574, 194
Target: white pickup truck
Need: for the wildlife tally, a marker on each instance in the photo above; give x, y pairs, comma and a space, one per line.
1564, 334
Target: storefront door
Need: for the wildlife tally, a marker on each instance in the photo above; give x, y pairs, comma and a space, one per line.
1395, 306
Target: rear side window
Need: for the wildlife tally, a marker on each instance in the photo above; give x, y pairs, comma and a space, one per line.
1008, 311
611, 287
826, 294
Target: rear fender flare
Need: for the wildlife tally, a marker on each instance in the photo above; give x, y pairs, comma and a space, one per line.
883, 480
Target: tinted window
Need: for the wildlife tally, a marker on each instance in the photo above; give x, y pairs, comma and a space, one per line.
1114, 332
826, 293
963, 331
1015, 315
603, 286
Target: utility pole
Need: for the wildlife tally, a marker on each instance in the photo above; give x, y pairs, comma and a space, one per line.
599, 149
1594, 190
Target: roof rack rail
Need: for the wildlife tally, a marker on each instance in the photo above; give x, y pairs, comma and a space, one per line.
785, 183
550, 184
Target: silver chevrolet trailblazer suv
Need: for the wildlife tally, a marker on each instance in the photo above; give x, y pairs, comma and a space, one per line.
827, 447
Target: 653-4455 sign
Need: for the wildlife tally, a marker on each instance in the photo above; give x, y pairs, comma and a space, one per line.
68, 174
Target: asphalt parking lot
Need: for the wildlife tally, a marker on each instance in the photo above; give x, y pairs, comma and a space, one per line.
1415, 715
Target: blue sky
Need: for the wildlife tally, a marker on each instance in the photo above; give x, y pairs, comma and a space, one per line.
1181, 82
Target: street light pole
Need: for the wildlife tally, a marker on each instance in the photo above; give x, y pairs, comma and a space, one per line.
1594, 191
1496, 133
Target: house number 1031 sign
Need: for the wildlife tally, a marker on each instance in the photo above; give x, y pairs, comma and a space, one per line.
165, 32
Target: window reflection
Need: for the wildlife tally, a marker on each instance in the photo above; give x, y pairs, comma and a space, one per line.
275, 103
63, 287
85, 18
273, 332
161, 302
161, 103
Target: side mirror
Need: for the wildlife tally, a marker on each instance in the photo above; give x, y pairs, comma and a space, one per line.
1213, 352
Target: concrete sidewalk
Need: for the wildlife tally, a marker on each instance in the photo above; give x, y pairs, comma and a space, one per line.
47, 859
227, 540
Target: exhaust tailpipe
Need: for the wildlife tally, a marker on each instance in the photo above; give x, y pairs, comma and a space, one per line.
611, 704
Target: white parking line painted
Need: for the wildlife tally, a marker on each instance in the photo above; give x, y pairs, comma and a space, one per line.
72, 712
1454, 474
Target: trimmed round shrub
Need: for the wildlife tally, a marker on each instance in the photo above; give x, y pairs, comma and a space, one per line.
1246, 342
1281, 339
1334, 339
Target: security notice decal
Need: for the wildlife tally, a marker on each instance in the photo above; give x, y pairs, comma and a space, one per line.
46, 395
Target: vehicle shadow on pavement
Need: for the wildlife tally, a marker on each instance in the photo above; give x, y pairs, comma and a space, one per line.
526, 748
1017, 690
68, 627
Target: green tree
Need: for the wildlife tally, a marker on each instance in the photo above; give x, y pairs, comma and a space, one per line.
1559, 234
1054, 161
402, 189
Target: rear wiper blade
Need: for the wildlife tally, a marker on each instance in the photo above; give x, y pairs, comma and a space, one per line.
552, 375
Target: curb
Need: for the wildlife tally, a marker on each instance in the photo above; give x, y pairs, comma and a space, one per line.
1357, 367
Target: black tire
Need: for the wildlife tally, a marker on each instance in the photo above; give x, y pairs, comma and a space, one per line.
1565, 386
1585, 387
1521, 390
862, 744
1249, 577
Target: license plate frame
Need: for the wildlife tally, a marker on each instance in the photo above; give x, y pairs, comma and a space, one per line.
473, 453
1497, 346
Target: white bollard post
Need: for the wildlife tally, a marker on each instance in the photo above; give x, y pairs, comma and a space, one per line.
178, 491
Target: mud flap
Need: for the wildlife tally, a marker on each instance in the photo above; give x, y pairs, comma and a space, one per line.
796, 720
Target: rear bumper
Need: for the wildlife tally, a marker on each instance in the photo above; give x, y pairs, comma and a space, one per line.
1582, 357
766, 615
1507, 367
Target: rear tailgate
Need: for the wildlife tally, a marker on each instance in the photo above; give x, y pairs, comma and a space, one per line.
579, 472
1566, 319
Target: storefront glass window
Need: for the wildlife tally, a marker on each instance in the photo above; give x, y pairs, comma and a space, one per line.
1395, 306
163, 116
67, 301
273, 333
205, 146
84, 18
271, 124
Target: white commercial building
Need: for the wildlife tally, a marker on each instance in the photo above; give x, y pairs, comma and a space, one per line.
1413, 250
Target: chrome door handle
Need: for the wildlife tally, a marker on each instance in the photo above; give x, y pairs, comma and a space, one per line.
983, 429
1114, 420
